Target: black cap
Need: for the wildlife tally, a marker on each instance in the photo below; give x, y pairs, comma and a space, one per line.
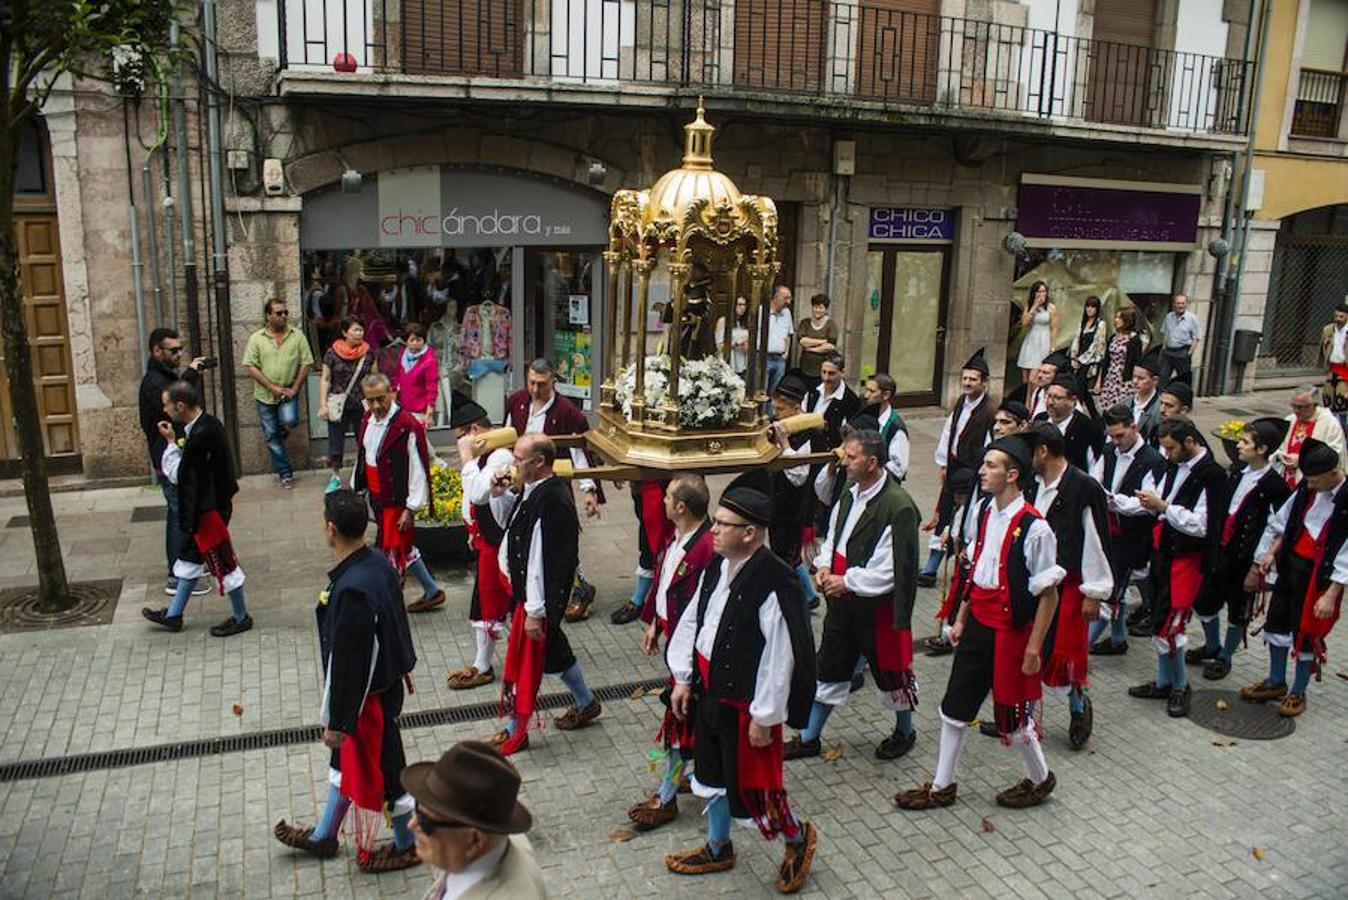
466, 411
1021, 450
961, 481
1068, 382
1015, 408
1181, 392
1317, 457
1155, 363
1059, 359
863, 421
1269, 431
978, 363
791, 386
750, 496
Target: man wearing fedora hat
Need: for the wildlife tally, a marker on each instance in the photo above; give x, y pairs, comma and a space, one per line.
745, 650
470, 825
486, 510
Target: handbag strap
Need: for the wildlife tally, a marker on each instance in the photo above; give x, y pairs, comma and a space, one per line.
355, 376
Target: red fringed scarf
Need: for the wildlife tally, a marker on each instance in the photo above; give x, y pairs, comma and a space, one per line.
217, 551
362, 773
523, 671
1067, 666
1016, 697
1186, 578
493, 588
893, 650
395, 543
1312, 631
675, 733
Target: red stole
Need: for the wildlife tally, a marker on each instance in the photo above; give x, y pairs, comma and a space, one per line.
1300, 431
1067, 666
1312, 631
523, 671
396, 543
893, 648
1186, 578
217, 551
1339, 371
1015, 696
362, 772
493, 589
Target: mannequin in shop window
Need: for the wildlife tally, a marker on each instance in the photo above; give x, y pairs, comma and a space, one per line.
696, 338
444, 335
485, 334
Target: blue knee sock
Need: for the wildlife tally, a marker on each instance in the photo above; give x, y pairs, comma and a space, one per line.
718, 823
402, 835
423, 576
1179, 673
512, 725
859, 667
1277, 665
1076, 701
933, 562
1096, 629
1212, 634
236, 604
1233, 635
800, 833
1164, 677
182, 594
1118, 630
819, 714
806, 582
669, 783
903, 722
640, 590
333, 814
1302, 679
574, 679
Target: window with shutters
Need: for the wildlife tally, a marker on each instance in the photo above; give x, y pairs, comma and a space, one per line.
1119, 61
1320, 88
779, 44
462, 37
898, 50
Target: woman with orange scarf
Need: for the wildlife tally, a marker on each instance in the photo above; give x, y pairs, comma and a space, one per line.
347, 361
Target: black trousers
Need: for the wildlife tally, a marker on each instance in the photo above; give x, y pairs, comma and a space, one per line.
1289, 593
970, 672
715, 746
1227, 590
849, 632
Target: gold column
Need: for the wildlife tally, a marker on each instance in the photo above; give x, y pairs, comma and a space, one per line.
641, 268
613, 261
669, 412
757, 347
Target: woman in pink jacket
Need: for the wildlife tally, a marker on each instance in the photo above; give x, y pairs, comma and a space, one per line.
417, 377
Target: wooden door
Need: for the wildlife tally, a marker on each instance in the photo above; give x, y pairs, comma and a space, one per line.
898, 50
43, 288
1120, 58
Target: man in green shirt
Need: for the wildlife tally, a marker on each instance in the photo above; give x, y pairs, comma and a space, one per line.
278, 359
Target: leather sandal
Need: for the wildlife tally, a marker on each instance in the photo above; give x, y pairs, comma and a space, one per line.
574, 718
468, 678
796, 862
701, 861
426, 604
1292, 706
652, 813
1262, 692
926, 797
302, 839
1026, 793
389, 858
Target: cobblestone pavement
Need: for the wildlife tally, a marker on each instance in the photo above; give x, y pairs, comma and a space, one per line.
1154, 807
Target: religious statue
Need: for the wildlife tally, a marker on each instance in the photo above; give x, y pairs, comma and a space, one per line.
697, 338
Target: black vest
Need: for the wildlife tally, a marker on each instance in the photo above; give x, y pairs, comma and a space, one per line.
1205, 476
1076, 491
551, 504
739, 639
967, 451
487, 526
1251, 517
1131, 547
1296, 524
1024, 605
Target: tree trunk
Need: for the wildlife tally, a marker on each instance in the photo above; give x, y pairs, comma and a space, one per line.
53, 589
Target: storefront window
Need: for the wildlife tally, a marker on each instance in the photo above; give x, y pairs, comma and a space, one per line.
560, 290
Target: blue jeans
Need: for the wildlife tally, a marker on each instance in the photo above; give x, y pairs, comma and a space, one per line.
173, 536
277, 420
776, 369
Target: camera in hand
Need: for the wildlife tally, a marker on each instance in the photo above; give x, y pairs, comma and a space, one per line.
208, 362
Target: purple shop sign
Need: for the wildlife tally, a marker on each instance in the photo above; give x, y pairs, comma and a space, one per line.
909, 224
1071, 215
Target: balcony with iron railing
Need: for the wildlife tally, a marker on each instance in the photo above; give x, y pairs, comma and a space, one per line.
843, 57
1318, 112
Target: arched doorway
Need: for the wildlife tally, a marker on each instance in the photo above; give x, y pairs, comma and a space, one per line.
1309, 278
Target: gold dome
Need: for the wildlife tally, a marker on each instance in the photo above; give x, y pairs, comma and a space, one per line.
696, 179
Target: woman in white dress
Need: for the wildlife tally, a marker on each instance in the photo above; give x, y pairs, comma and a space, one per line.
739, 337
1041, 318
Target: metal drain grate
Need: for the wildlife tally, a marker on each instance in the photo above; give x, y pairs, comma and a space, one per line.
1237, 718
149, 513
50, 767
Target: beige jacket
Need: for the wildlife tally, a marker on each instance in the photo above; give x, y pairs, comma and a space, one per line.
517, 878
1326, 429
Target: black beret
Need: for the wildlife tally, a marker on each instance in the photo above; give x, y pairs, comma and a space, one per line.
1017, 409
750, 496
466, 412
1059, 359
792, 387
978, 363
1181, 392
1317, 458
1019, 448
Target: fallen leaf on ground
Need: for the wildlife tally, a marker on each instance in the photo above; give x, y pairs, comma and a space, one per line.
1223, 742
637, 694
1343, 675
988, 827
1257, 853
834, 753
653, 692
1222, 704
238, 709
621, 835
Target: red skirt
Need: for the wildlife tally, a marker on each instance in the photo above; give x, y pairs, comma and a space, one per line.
523, 671
1186, 578
216, 548
1067, 666
1016, 697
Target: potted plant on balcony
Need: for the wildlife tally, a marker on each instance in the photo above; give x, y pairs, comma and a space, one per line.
442, 537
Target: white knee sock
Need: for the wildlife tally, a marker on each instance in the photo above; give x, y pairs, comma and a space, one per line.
485, 646
948, 754
1032, 755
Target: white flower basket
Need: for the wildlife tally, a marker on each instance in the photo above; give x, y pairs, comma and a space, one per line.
710, 393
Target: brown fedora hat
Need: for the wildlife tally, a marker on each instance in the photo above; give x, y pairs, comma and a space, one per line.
472, 784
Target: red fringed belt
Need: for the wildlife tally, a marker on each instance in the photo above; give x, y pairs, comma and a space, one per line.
395, 543
893, 649
1067, 666
523, 671
217, 551
1016, 697
1186, 578
493, 589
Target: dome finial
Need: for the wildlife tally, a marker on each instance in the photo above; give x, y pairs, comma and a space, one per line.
697, 141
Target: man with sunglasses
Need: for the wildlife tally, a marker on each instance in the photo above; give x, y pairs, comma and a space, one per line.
161, 370
278, 359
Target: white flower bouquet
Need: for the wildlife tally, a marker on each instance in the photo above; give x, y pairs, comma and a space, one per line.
710, 393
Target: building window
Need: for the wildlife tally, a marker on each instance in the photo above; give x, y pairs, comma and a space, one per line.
1319, 102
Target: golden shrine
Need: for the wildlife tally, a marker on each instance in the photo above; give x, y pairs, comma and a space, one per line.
673, 410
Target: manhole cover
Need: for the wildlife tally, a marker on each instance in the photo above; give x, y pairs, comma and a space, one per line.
148, 514
95, 602
1251, 721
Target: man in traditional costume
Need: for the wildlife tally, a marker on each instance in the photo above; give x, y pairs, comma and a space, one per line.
486, 509
539, 554
1084, 440
1307, 541
1148, 373
539, 409
878, 401
1128, 460
655, 533
202, 467
393, 464
868, 571
1334, 362
793, 527
999, 633
963, 437
1075, 507
1033, 395
832, 399
679, 568
367, 654
1190, 506
1308, 420
745, 651
1256, 489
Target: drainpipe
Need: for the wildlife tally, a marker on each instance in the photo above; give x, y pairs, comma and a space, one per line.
137, 264
832, 236
185, 201
219, 249
169, 237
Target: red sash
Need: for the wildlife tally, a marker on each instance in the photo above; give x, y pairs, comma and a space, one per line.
523, 671
1068, 665
1312, 631
1015, 696
1186, 578
493, 588
893, 649
1229, 528
1300, 431
217, 551
393, 541
1115, 524
363, 774
1339, 371
1306, 546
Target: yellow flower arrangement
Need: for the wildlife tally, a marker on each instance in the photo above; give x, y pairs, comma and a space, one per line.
447, 489
1231, 429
